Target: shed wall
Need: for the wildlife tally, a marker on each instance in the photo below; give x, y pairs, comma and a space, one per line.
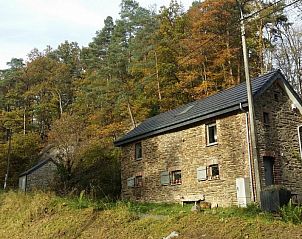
42, 178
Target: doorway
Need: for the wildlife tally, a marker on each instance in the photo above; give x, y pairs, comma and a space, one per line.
268, 163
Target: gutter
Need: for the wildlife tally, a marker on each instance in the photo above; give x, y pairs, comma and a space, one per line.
249, 151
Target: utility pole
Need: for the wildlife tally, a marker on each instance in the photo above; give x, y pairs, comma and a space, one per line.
9, 136
253, 135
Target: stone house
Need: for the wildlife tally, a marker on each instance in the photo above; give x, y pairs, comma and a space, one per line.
202, 149
42, 175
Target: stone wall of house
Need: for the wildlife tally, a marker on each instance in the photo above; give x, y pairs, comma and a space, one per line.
41, 178
279, 137
187, 150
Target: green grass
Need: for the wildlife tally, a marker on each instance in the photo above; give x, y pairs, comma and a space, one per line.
157, 208
45, 215
251, 211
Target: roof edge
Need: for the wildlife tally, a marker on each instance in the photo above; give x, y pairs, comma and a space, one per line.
37, 166
230, 109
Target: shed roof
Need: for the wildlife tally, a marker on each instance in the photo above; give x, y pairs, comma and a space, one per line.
48, 154
37, 166
226, 101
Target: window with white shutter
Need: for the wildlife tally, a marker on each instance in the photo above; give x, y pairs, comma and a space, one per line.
202, 173
164, 178
131, 182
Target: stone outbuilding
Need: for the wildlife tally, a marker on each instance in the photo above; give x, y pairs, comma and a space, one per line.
42, 175
202, 150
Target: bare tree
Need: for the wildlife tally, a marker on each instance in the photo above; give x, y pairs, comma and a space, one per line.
288, 54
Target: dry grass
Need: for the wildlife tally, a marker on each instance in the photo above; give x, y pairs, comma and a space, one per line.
42, 215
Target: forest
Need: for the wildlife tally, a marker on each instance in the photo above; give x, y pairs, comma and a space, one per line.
137, 66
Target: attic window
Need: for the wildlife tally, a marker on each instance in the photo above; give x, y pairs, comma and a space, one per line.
138, 151
276, 96
300, 138
185, 110
211, 134
266, 119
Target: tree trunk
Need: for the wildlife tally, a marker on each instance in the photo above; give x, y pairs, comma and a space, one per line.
157, 78
131, 114
24, 121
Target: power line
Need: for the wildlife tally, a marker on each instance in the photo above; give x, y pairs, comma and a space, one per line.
260, 10
277, 10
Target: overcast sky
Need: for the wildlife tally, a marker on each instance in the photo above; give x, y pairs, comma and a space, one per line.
28, 24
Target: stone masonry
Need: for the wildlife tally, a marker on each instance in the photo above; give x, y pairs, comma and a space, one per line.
41, 178
278, 138
186, 149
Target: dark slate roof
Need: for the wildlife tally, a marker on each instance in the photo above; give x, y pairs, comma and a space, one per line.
48, 154
226, 101
37, 166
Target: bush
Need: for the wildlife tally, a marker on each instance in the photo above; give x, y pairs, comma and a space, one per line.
97, 172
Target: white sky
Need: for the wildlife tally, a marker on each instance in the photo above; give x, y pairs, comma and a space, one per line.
28, 24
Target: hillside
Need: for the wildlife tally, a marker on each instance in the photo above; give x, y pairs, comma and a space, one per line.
43, 215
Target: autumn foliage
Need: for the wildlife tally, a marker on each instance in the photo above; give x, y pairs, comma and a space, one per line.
137, 66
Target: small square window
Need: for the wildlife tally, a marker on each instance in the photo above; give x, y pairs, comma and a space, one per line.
138, 151
176, 177
138, 182
211, 134
214, 171
266, 119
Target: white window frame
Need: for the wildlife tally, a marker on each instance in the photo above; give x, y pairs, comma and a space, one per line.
208, 134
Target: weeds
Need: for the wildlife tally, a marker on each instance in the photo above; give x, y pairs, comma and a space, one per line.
291, 213
45, 215
249, 212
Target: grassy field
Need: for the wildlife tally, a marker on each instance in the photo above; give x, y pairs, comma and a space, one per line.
42, 215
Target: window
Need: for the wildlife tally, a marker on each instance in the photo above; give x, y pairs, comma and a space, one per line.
211, 134
202, 173
276, 96
131, 182
266, 119
164, 178
138, 151
170, 178
214, 171
138, 182
300, 138
176, 177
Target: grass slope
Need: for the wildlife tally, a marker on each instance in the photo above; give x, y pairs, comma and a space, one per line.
42, 215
